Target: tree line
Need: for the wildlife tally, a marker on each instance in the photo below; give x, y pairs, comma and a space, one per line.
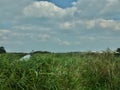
2, 50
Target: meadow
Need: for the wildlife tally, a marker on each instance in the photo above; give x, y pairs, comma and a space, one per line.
60, 71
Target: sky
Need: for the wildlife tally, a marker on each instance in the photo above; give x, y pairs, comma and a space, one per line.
59, 25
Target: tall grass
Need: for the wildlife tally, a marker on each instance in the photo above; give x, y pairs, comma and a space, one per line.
73, 71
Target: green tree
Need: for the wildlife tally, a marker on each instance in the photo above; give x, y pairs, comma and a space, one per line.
118, 50
2, 49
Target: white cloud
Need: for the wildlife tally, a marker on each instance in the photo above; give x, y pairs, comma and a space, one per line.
4, 34
111, 8
47, 9
112, 2
78, 24
8, 37
43, 37
67, 43
21, 27
4, 31
31, 28
90, 24
97, 8
10, 9
67, 25
108, 24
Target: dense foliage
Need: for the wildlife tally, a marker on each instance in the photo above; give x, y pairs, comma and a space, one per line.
73, 71
2, 50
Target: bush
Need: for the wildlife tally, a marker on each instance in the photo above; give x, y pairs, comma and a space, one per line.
2, 50
60, 72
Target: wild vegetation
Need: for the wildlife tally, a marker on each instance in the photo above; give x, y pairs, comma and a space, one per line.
60, 71
2, 49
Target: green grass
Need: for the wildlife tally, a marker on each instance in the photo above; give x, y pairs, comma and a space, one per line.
68, 71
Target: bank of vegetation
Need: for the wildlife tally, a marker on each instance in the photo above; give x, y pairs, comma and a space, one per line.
63, 71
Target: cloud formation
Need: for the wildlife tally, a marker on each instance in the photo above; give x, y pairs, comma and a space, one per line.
110, 24
47, 9
50, 26
98, 9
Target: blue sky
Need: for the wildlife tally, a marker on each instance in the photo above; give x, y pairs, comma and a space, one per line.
63, 3
59, 25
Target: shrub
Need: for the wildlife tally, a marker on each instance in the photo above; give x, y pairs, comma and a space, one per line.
2, 50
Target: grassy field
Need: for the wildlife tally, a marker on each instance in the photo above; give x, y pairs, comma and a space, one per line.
63, 71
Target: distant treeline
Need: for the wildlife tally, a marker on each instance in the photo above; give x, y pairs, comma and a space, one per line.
116, 52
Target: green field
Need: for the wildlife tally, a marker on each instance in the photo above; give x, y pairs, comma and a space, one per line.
60, 71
